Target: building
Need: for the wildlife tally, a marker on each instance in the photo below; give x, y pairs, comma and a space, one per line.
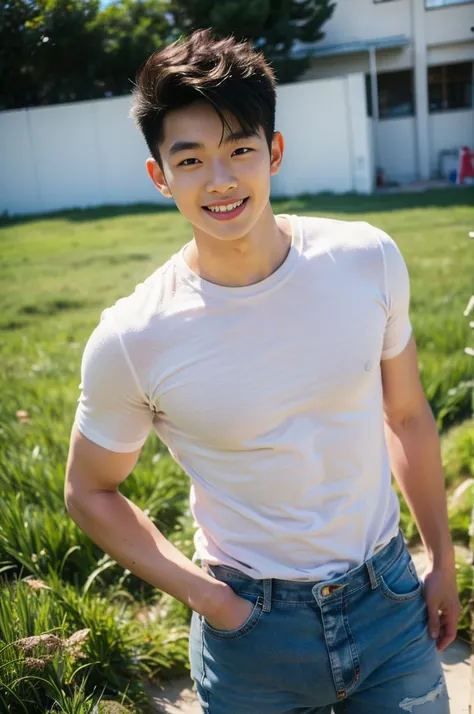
418, 59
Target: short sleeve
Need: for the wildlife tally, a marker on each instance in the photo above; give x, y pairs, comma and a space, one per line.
112, 412
398, 329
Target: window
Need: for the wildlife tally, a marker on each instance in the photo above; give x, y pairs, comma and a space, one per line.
396, 98
430, 4
450, 87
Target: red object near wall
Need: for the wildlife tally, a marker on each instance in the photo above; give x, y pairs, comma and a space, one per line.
466, 164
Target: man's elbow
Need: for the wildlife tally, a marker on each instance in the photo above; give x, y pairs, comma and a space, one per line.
75, 495
409, 416
82, 499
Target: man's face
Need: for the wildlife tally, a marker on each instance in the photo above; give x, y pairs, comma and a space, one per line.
203, 173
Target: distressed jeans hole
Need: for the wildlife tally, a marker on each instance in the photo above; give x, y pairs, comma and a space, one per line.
409, 703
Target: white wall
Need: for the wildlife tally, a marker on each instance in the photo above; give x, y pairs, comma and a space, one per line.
397, 149
72, 155
450, 130
326, 129
366, 20
123, 153
90, 153
65, 151
449, 54
333, 66
19, 186
449, 24
358, 20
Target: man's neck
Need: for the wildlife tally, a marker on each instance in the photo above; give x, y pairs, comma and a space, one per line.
245, 261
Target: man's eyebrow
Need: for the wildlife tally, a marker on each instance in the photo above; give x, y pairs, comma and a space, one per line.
185, 146
235, 136
239, 135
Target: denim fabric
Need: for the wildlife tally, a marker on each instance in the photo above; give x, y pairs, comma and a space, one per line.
358, 644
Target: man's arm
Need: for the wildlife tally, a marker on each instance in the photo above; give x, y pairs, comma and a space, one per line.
121, 529
414, 450
111, 425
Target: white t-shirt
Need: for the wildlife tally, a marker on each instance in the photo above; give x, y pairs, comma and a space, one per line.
269, 396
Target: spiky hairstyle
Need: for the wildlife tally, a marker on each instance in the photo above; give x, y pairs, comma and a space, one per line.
229, 74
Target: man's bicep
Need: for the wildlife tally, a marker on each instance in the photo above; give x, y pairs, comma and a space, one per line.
403, 395
91, 468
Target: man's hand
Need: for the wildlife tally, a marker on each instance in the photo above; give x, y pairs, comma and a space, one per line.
232, 612
444, 608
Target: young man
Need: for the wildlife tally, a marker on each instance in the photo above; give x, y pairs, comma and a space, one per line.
273, 355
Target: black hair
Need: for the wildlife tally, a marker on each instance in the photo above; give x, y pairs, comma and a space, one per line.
229, 74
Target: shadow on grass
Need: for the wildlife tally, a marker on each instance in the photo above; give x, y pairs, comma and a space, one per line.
28, 313
84, 215
350, 203
353, 203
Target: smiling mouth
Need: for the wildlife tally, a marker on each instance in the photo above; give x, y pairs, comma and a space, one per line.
226, 208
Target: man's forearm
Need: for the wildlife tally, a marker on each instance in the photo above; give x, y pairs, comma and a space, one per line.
125, 532
415, 460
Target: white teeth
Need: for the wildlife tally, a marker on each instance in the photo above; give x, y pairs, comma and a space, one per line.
223, 209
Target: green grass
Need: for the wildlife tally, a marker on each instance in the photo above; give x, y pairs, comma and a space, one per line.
58, 272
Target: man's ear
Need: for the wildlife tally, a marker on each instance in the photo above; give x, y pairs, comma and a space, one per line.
276, 154
157, 176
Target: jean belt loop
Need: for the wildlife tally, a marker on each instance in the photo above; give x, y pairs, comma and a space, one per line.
267, 595
374, 583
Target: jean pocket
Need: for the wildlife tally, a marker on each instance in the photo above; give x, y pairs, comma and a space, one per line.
249, 624
400, 582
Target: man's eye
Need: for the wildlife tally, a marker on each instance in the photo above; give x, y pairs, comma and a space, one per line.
243, 148
185, 162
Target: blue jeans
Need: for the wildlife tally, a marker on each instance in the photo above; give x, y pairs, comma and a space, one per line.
358, 644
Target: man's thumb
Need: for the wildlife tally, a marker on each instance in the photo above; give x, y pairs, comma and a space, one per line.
433, 623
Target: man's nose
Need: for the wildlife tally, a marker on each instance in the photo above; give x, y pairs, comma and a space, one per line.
221, 179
